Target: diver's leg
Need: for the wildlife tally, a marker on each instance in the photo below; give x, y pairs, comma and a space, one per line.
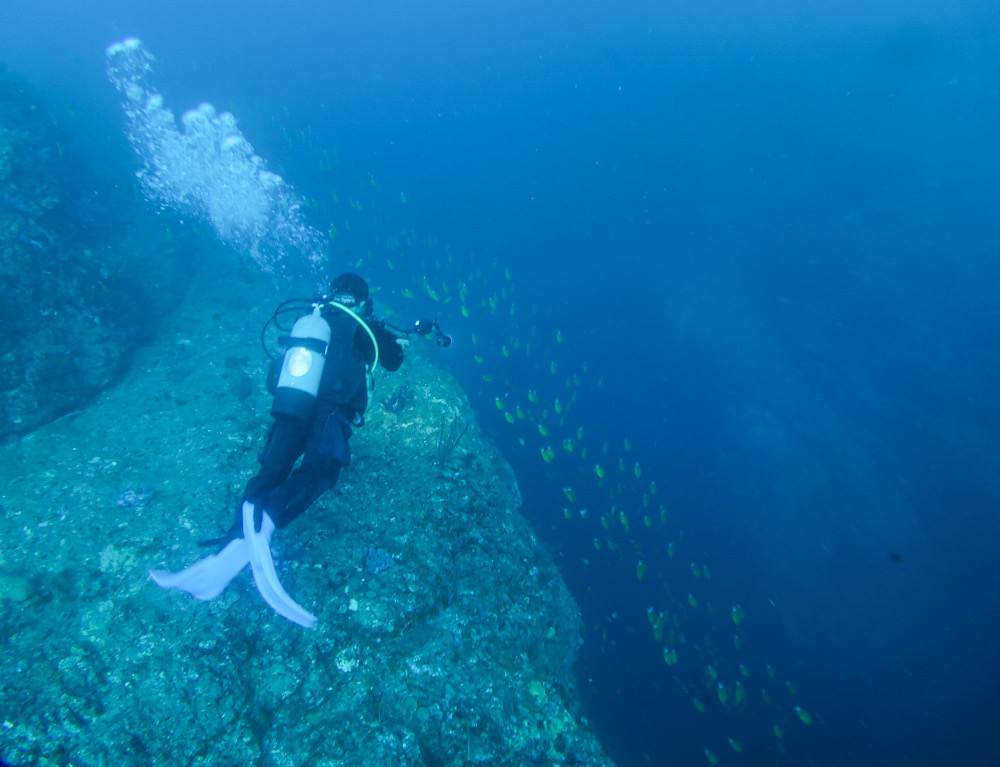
326, 451
291, 498
285, 443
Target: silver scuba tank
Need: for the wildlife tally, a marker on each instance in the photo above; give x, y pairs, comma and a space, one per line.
302, 367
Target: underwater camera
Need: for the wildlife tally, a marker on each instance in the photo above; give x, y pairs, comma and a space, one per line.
431, 328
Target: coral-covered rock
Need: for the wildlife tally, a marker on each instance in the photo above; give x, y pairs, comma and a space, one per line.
445, 634
85, 270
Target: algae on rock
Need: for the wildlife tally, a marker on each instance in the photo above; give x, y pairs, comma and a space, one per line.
455, 649
86, 270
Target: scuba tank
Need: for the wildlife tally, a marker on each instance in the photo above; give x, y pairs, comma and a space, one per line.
302, 367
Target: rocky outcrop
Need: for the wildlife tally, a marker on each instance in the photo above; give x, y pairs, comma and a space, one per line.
445, 634
86, 270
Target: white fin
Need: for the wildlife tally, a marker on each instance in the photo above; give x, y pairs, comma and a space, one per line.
263, 570
207, 577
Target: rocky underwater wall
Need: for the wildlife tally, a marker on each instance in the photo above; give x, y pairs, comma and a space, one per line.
86, 269
446, 635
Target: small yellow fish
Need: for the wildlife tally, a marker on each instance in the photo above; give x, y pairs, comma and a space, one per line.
739, 693
722, 693
658, 628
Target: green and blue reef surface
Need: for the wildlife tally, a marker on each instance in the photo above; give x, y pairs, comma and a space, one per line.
721, 290
86, 270
132, 417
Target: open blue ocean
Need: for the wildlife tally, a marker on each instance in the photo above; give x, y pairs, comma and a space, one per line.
723, 284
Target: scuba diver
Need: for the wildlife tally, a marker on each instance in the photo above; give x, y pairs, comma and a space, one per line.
313, 417
320, 389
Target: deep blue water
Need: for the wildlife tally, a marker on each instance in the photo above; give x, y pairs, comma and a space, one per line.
772, 230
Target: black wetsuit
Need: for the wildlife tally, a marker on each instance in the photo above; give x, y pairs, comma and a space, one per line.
279, 488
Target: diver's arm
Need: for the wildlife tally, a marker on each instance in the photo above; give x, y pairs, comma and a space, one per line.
390, 353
